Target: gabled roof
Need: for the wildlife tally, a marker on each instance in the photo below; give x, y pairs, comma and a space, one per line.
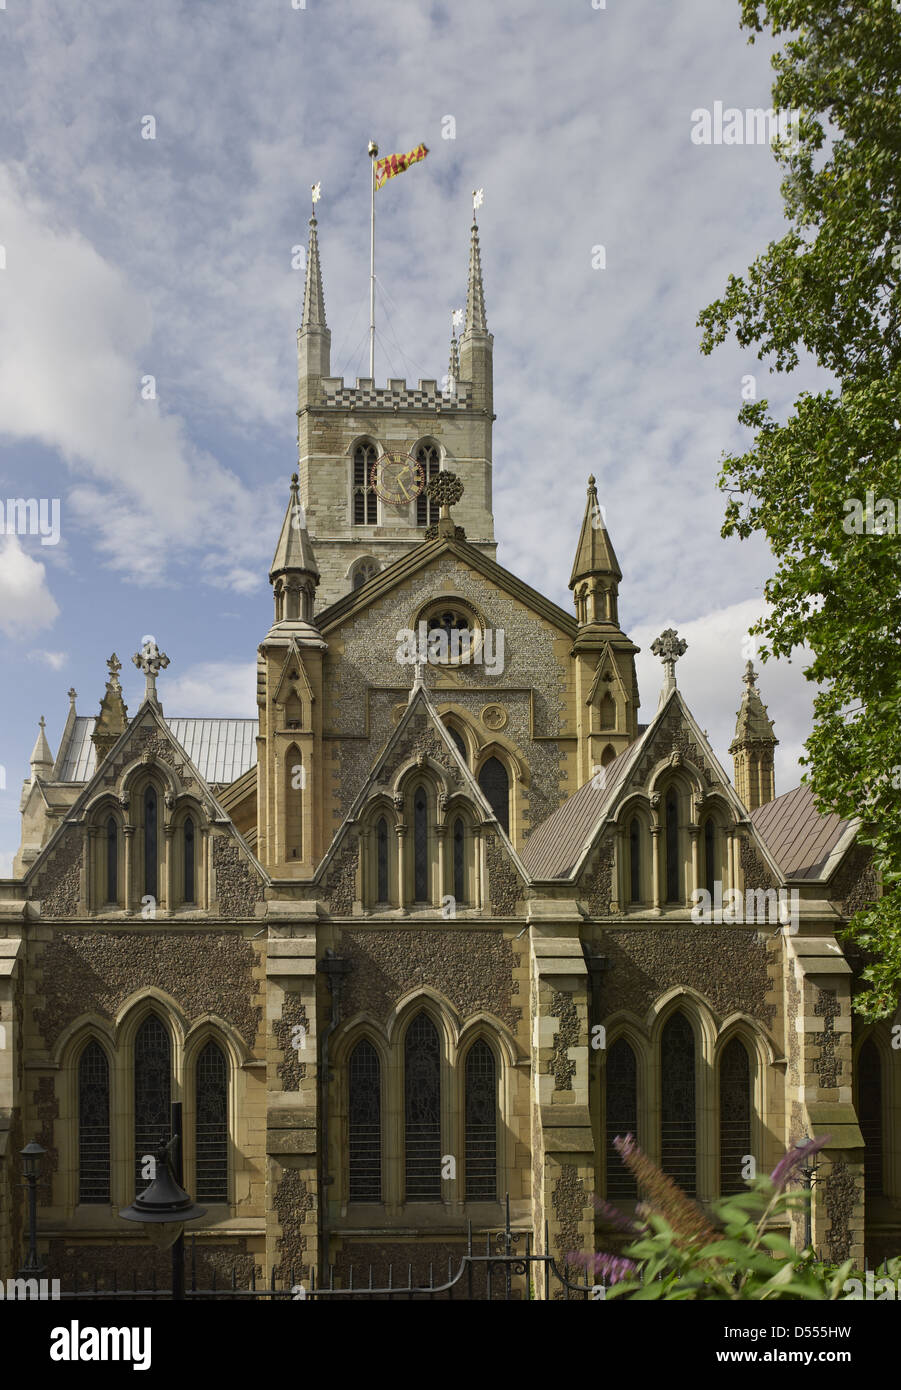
804, 842
418, 558
220, 749
557, 848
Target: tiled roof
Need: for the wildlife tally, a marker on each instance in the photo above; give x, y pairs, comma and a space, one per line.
220, 749
554, 847
797, 835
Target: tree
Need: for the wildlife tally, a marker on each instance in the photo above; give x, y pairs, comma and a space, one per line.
825, 485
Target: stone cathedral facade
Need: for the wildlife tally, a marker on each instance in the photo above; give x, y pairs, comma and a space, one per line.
417, 933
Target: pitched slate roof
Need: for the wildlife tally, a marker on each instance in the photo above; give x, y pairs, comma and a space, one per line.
220, 749
799, 837
555, 846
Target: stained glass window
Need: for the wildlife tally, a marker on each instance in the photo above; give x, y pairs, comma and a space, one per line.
481, 1124
93, 1126
621, 1095
458, 740
426, 511
112, 861
678, 1122
152, 1076
150, 843
459, 861
673, 867
421, 892
495, 784
869, 1113
211, 1142
365, 500
189, 860
422, 1111
635, 862
381, 844
365, 1124
735, 1115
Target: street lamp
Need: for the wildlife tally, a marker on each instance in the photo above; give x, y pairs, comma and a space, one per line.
31, 1157
165, 1206
807, 1174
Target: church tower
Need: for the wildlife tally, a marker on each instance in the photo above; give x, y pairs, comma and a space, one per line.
289, 697
606, 682
753, 747
343, 432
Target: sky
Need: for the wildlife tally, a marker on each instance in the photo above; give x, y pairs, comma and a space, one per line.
149, 304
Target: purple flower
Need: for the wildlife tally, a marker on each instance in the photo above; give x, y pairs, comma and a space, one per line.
613, 1217
613, 1268
785, 1170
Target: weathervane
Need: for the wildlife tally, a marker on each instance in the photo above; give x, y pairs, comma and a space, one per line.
316, 189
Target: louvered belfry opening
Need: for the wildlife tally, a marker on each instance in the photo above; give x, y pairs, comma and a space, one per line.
678, 1117
422, 1111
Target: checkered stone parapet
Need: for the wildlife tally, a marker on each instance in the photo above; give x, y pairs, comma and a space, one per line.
426, 396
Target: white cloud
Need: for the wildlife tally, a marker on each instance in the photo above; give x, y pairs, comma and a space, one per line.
223, 689
55, 660
26, 603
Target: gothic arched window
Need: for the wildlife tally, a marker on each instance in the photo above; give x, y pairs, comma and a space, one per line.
495, 783
381, 850
211, 1133
363, 570
673, 866
295, 781
621, 1078
430, 459
735, 1115
459, 861
709, 860
112, 861
421, 892
678, 1121
189, 860
153, 1093
869, 1113
365, 500
422, 1111
458, 740
150, 843
635, 862
481, 1124
365, 1124
93, 1126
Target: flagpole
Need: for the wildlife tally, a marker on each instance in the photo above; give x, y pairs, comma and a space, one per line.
373, 151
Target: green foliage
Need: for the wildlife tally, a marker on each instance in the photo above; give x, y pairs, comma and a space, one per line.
832, 287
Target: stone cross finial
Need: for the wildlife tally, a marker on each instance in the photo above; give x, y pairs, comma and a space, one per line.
669, 646
114, 665
419, 666
73, 694
750, 676
43, 723
151, 661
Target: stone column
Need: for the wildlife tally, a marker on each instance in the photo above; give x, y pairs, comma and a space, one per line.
129, 832
729, 835
694, 832
618, 860
655, 868
167, 867
401, 832
441, 837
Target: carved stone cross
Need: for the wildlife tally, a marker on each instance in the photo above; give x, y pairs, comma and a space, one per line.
114, 665
669, 646
151, 661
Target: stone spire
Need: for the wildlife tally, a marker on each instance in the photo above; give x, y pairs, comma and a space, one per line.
41, 758
596, 573
477, 344
753, 747
476, 321
294, 573
669, 646
314, 340
112, 720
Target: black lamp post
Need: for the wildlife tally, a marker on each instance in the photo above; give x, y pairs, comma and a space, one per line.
31, 1157
165, 1206
807, 1173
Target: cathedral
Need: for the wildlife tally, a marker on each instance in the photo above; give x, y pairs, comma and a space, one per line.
439, 920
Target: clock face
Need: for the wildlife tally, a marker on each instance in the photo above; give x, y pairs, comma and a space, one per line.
397, 480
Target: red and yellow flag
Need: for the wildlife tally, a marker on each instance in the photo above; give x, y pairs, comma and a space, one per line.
385, 169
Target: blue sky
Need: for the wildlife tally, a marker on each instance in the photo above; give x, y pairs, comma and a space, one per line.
128, 257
